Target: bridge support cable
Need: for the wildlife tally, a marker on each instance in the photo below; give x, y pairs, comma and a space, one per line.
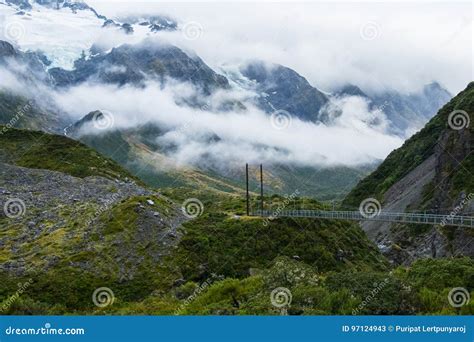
247, 188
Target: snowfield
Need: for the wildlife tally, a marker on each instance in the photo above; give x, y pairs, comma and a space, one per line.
61, 34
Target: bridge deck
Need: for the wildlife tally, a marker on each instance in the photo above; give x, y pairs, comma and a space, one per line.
432, 219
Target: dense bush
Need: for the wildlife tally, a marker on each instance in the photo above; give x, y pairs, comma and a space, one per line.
215, 243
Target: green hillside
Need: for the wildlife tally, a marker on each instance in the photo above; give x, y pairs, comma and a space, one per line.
38, 150
419, 147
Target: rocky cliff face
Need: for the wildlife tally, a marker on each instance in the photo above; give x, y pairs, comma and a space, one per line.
129, 64
282, 88
430, 173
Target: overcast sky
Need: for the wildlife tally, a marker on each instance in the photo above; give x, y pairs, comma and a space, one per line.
400, 45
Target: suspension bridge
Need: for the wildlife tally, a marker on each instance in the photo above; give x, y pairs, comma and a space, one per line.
450, 219
417, 218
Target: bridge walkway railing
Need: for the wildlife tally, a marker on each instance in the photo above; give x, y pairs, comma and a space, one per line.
421, 218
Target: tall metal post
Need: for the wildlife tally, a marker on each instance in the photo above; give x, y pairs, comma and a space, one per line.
247, 187
261, 188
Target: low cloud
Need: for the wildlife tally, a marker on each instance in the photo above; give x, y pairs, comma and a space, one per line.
353, 134
9, 81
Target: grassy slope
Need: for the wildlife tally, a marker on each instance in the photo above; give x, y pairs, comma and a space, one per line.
213, 243
413, 152
90, 256
39, 150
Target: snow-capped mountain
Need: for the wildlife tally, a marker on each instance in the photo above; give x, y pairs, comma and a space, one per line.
62, 30
134, 64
